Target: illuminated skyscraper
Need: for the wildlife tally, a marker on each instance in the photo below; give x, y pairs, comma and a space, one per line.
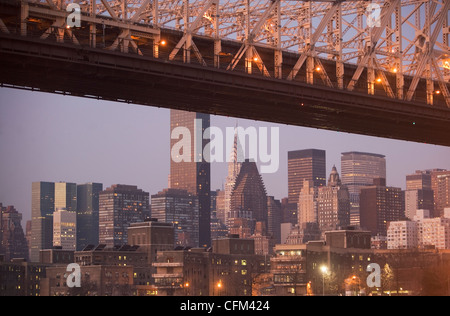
359, 169
119, 206
193, 175
65, 229
179, 208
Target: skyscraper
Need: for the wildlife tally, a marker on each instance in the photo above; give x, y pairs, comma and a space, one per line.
42, 208
87, 214
440, 183
119, 206
308, 164
249, 197
380, 205
193, 175
418, 194
13, 243
66, 196
333, 204
65, 229
234, 167
180, 208
358, 169
307, 203
274, 218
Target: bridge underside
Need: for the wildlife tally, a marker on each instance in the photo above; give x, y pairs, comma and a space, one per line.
65, 69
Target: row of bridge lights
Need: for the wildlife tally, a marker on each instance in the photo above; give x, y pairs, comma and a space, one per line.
318, 69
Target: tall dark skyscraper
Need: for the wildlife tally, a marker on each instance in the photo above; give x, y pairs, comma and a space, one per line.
193, 175
308, 164
42, 208
119, 206
380, 205
87, 214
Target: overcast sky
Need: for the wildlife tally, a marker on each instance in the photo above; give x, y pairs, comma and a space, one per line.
46, 137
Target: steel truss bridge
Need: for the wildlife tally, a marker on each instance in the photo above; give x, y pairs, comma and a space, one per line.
379, 68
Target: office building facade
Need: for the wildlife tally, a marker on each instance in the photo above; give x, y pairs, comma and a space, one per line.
65, 229
180, 208
333, 204
440, 183
42, 208
358, 169
119, 206
380, 205
418, 194
87, 214
308, 164
193, 175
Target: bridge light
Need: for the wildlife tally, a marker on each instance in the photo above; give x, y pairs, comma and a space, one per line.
379, 80
163, 42
438, 92
318, 69
395, 70
255, 59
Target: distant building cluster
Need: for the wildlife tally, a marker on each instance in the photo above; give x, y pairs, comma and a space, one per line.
187, 239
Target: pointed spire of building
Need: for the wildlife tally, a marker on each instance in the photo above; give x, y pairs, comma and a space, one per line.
234, 168
334, 179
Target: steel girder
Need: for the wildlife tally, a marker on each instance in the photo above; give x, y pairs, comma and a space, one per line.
404, 39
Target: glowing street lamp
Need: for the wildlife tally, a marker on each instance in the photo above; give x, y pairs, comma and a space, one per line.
324, 270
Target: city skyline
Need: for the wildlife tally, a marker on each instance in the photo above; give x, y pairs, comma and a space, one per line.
50, 138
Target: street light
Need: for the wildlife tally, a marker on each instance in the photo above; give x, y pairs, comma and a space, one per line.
324, 270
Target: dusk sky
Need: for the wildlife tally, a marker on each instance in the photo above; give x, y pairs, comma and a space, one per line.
45, 137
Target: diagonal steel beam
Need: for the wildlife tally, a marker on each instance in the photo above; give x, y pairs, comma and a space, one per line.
386, 15
330, 13
427, 55
191, 29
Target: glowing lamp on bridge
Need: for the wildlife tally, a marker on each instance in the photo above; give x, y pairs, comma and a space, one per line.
445, 63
